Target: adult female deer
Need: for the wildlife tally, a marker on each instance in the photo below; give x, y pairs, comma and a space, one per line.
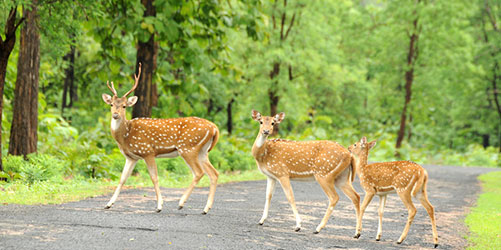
326, 162
405, 178
145, 138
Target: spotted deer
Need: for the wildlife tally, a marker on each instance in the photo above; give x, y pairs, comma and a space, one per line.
280, 160
405, 178
144, 138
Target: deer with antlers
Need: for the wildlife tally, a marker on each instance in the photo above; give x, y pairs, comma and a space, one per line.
144, 138
406, 178
280, 160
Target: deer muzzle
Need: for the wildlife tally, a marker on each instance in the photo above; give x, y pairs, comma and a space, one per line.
115, 116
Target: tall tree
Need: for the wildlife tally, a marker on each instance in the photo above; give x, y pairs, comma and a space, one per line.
6, 47
412, 56
23, 136
146, 56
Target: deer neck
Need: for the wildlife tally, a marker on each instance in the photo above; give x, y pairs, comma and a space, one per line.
120, 129
259, 147
360, 163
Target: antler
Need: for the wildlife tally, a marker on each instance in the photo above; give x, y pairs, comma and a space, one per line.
137, 81
112, 88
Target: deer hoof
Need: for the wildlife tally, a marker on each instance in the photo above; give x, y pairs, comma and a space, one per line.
436, 245
260, 223
399, 242
297, 229
180, 207
107, 207
356, 236
316, 232
158, 210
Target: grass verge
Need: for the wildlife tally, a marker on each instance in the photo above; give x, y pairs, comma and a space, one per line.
484, 221
61, 191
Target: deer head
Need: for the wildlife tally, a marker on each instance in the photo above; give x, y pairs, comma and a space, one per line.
267, 122
118, 104
361, 148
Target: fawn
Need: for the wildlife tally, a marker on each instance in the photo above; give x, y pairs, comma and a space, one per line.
406, 178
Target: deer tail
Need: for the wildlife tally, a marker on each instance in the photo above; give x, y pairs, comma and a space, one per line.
215, 138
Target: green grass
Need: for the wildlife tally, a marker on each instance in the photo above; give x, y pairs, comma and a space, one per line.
51, 192
61, 191
484, 220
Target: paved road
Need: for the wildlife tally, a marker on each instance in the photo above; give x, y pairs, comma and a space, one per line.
232, 223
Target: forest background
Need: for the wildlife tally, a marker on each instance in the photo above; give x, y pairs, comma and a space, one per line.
419, 76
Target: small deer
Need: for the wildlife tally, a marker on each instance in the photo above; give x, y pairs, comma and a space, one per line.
406, 178
145, 138
280, 160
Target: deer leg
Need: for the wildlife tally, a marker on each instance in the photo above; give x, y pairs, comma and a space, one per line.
367, 199
213, 176
407, 200
286, 186
197, 172
270, 188
152, 170
382, 203
348, 190
423, 197
330, 191
128, 167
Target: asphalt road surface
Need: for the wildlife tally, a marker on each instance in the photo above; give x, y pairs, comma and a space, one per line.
233, 222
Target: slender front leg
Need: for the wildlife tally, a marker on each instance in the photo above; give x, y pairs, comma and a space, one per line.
128, 167
382, 203
152, 170
367, 199
286, 186
270, 188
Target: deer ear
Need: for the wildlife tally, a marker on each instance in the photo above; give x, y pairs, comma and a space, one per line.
363, 140
256, 115
131, 101
372, 144
279, 117
106, 98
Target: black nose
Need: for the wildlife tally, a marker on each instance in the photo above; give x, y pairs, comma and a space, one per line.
115, 115
266, 132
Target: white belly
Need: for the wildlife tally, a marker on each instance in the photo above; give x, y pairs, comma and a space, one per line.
172, 154
306, 179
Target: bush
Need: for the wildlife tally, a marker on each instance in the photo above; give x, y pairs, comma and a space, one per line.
38, 167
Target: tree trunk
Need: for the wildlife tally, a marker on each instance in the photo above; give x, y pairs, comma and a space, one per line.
229, 122
69, 81
409, 79
6, 47
146, 56
23, 137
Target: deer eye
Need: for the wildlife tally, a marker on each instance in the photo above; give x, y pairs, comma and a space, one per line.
111, 105
260, 122
124, 106
354, 145
272, 123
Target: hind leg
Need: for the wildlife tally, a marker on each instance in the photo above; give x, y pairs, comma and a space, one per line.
349, 191
328, 187
405, 196
196, 169
423, 198
213, 176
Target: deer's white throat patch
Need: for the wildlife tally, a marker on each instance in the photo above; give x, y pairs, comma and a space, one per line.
115, 124
260, 140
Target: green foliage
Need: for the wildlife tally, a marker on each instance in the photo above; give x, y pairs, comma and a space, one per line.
484, 219
38, 167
